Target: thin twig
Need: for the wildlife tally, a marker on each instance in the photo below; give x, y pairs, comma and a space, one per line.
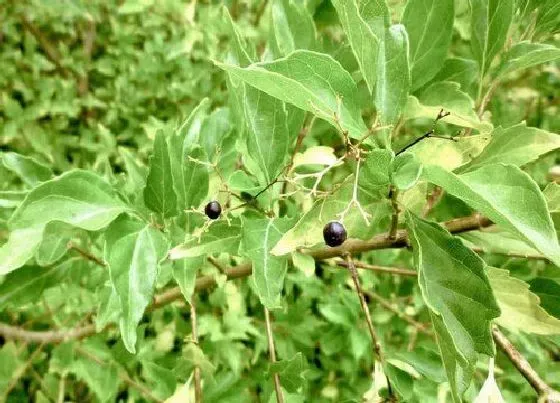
520, 362
272, 355
382, 269
429, 133
197, 380
214, 262
372, 333
86, 254
395, 214
379, 241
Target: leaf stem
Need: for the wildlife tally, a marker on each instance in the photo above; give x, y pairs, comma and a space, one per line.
272, 355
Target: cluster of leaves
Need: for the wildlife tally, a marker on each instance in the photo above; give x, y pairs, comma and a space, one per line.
299, 113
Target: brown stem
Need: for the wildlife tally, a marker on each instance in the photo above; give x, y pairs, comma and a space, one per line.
197, 379
86, 254
272, 354
381, 269
372, 333
520, 362
380, 241
395, 214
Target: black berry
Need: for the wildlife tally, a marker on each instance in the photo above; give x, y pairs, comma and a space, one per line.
334, 233
213, 210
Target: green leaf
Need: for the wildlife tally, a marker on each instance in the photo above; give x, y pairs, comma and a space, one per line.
449, 154
190, 130
361, 35
393, 79
490, 21
26, 168
11, 198
496, 241
220, 238
308, 231
429, 24
524, 55
78, 198
405, 171
426, 362
548, 292
458, 368
521, 309
133, 251
162, 379
136, 172
290, 372
458, 70
267, 134
376, 169
190, 178
400, 380
103, 380
159, 195
54, 245
548, 18
291, 28
27, 284
301, 79
109, 308
517, 145
184, 273
455, 287
241, 53
259, 237
446, 95
214, 130
518, 206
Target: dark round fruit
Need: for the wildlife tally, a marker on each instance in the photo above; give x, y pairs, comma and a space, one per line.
334, 233
213, 210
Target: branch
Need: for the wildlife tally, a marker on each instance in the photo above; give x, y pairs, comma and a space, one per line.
380, 241
520, 362
272, 353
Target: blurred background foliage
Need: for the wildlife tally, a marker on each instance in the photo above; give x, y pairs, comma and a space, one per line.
86, 83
